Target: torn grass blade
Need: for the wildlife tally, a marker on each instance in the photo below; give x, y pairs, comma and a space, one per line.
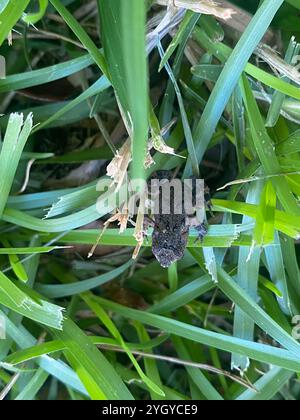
43, 312
12, 148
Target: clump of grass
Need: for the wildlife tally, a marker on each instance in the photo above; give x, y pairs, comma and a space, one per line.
184, 92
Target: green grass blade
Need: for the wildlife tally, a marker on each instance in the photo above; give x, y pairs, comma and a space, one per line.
30, 353
261, 352
266, 150
124, 40
275, 265
278, 97
105, 319
196, 375
63, 290
233, 69
290, 145
45, 75
267, 386
10, 16
28, 251
59, 370
33, 386
81, 35
183, 295
247, 278
264, 231
252, 309
284, 222
43, 312
12, 148
288, 249
294, 3
185, 122
98, 376
239, 126
151, 367
185, 29
33, 18
223, 52
99, 86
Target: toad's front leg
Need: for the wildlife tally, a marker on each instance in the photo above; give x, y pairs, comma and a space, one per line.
197, 221
200, 227
148, 223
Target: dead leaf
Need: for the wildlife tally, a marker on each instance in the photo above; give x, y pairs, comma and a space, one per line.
117, 169
207, 7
